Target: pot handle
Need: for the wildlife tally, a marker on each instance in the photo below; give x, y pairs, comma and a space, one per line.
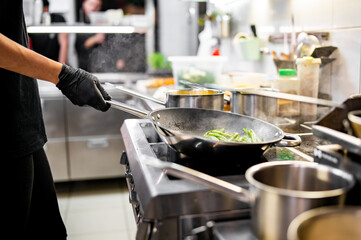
192, 175
127, 108
289, 140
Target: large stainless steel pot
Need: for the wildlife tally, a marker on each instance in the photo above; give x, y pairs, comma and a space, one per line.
188, 98
279, 191
327, 223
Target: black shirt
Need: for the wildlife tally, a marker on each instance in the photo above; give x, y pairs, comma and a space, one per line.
48, 44
22, 122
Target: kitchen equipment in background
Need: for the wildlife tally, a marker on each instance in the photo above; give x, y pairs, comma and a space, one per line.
324, 53
287, 82
336, 118
249, 47
197, 69
226, 25
306, 45
277, 184
343, 150
327, 223
308, 75
183, 130
192, 98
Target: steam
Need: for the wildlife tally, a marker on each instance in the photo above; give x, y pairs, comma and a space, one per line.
119, 53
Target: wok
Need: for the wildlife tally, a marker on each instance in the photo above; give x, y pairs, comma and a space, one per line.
278, 192
183, 130
196, 98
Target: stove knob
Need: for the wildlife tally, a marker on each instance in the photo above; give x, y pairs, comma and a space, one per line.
129, 177
133, 198
202, 232
124, 158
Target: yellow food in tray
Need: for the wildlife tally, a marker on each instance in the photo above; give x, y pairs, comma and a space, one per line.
158, 82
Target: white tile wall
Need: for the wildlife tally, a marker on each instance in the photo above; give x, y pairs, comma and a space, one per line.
346, 68
347, 13
342, 19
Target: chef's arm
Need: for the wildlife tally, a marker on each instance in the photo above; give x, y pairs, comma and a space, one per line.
16, 58
79, 86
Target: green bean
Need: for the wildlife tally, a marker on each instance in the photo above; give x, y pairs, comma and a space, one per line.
222, 135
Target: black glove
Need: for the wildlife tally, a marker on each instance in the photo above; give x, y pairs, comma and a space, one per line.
82, 88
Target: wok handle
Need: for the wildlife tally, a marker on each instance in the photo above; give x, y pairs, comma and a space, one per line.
136, 94
289, 140
206, 180
127, 108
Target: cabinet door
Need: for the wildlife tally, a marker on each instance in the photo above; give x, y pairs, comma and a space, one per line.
53, 108
56, 153
96, 157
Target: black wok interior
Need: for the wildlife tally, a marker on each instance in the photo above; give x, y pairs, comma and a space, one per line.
196, 122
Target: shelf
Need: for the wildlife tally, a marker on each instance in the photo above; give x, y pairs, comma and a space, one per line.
84, 29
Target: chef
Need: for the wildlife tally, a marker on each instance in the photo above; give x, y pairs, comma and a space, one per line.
29, 203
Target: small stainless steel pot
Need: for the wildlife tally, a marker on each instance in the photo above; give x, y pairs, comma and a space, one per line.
279, 191
327, 223
186, 98
251, 104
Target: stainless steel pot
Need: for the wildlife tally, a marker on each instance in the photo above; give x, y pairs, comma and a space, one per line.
355, 119
262, 102
327, 223
252, 104
279, 191
188, 98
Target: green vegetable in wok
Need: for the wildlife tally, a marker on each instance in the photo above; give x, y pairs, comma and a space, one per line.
222, 135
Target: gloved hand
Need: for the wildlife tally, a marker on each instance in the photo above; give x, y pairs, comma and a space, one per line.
82, 88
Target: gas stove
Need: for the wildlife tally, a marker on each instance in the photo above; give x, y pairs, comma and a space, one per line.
169, 208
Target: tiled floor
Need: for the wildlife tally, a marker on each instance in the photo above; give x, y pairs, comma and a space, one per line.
95, 210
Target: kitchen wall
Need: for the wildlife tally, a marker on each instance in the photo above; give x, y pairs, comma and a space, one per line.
340, 18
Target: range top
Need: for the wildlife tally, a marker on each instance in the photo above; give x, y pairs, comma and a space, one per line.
166, 203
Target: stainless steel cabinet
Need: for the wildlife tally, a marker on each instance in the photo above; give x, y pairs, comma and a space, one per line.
95, 143
54, 119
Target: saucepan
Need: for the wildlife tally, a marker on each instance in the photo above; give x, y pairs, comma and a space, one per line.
183, 130
192, 98
279, 190
325, 223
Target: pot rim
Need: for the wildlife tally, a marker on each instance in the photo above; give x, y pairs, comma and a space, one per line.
315, 213
212, 92
352, 116
298, 193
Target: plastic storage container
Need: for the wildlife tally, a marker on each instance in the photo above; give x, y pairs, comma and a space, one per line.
287, 82
308, 75
197, 69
